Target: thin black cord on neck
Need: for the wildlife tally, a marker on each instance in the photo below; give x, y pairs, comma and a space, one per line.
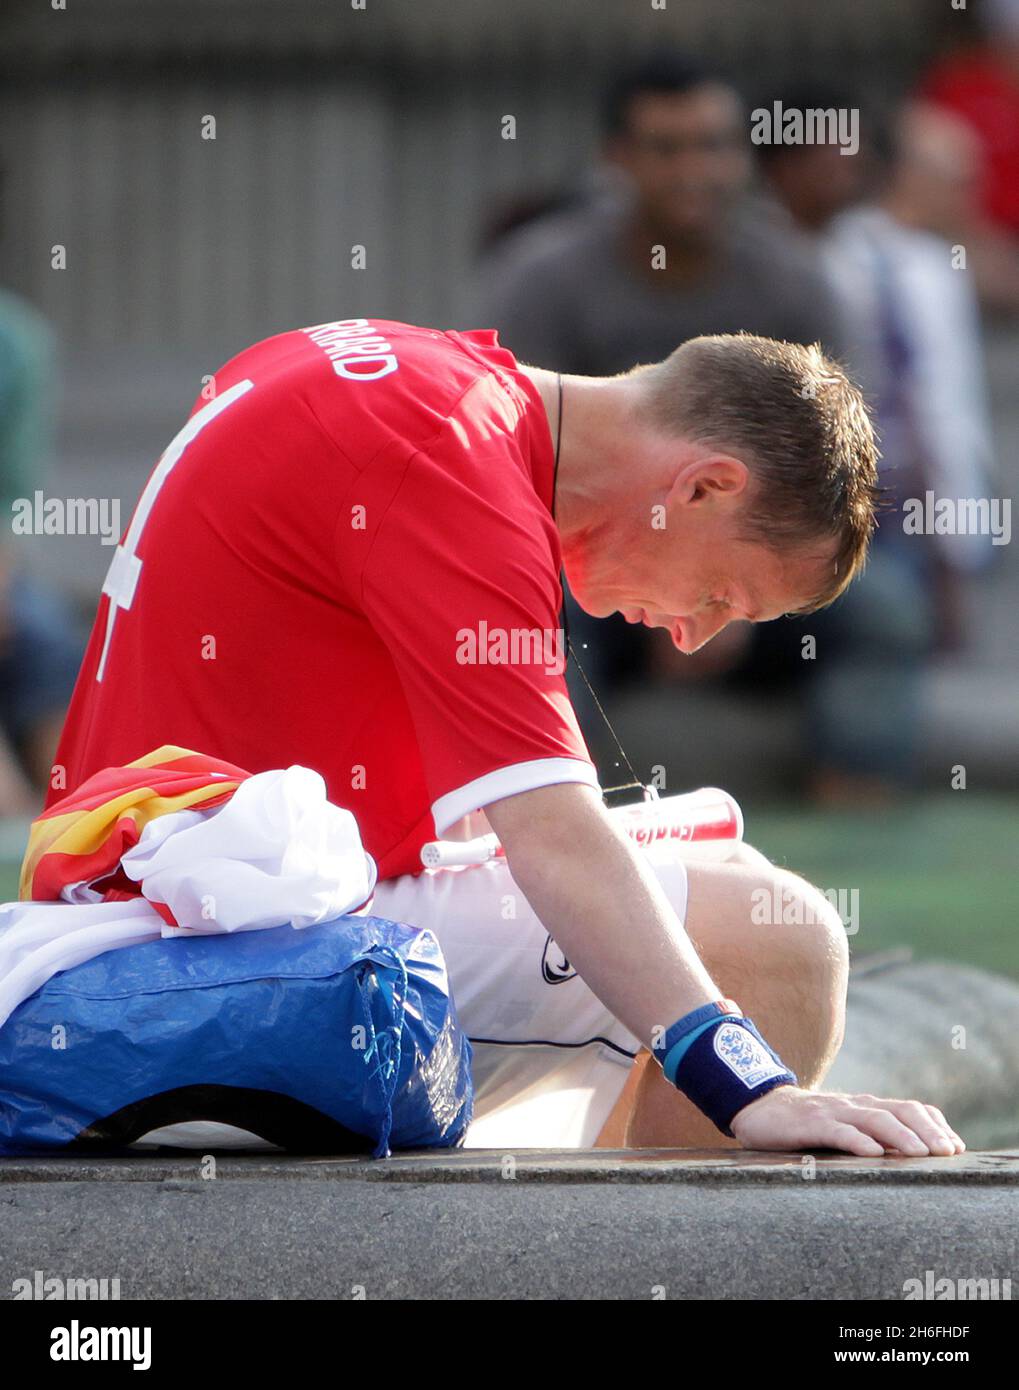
558, 438
636, 782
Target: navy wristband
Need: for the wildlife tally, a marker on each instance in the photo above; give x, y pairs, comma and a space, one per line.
727, 1067
670, 1049
721, 1064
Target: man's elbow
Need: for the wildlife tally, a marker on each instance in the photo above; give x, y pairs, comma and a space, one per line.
543, 826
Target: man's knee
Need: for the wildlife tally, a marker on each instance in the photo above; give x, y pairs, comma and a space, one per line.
777, 945
811, 940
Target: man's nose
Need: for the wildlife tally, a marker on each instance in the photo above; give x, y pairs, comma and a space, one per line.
699, 630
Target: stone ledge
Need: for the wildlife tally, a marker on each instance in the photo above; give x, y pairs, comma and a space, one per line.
541, 1240
714, 1167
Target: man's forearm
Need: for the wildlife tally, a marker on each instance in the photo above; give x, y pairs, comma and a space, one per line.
596, 895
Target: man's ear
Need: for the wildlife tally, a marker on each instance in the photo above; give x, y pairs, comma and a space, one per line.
709, 478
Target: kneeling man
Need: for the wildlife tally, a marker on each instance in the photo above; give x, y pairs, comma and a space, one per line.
351, 557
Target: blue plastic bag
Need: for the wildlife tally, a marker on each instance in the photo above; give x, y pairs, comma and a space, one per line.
337, 1038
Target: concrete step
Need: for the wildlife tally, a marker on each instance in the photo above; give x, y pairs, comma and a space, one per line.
617, 1225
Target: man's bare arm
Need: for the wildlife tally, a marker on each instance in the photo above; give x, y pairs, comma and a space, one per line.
595, 894
603, 905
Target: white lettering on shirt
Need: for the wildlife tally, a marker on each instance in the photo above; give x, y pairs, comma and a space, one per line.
350, 343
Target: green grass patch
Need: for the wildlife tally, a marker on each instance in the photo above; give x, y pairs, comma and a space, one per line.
939, 875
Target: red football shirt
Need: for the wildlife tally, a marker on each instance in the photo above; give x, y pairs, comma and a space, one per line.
346, 559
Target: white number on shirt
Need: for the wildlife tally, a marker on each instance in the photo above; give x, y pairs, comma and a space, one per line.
125, 567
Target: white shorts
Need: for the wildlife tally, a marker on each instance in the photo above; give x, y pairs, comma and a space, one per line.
550, 1060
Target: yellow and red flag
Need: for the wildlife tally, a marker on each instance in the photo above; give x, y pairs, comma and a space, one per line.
82, 837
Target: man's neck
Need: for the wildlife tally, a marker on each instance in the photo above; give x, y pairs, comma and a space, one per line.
592, 408
603, 467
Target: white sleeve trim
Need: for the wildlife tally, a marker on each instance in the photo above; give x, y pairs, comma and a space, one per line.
508, 781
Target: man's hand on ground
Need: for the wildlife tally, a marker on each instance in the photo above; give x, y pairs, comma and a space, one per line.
789, 1118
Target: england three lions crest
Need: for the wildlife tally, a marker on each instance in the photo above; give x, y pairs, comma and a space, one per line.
744, 1055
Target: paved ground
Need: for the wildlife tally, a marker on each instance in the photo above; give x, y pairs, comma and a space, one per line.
534, 1225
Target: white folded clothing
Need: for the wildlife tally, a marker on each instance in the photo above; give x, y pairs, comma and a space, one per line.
277, 852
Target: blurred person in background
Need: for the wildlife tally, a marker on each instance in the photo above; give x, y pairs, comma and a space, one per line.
980, 85
666, 245
39, 648
914, 345
804, 187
